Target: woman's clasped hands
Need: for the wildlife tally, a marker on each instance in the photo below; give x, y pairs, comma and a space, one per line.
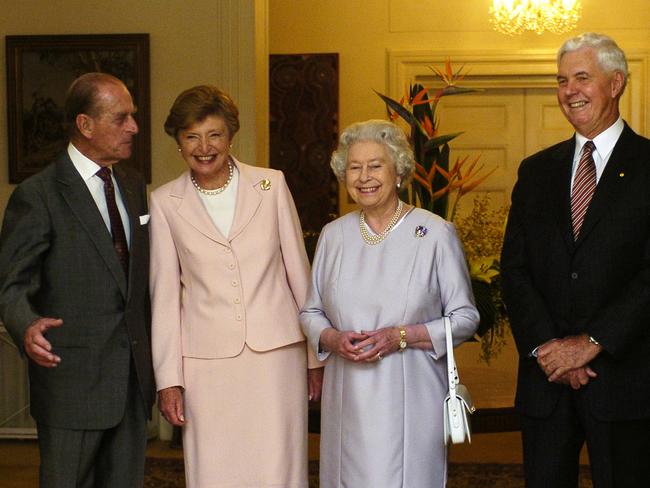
368, 346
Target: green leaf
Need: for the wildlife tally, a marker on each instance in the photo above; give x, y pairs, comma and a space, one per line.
440, 140
399, 109
457, 90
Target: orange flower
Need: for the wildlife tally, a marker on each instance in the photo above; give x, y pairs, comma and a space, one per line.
429, 126
419, 99
448, 76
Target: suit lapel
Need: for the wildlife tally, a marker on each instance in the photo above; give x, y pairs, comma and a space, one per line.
192, 210
248, 200
75, 192
610, 184
131, 198
559, 189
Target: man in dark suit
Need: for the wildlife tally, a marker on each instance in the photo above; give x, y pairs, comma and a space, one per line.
576, 283
74, 259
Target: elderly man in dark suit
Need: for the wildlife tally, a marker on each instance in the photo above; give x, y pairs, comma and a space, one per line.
576, 283
74, 258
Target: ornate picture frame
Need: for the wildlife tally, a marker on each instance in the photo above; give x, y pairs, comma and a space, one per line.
39, 71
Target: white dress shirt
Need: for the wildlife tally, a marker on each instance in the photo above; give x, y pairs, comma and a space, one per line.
221, 206
604, 142
88, 169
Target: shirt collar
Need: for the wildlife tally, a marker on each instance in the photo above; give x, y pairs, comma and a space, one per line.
87, 168
605, 141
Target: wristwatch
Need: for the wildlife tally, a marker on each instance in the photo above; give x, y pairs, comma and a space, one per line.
402, 339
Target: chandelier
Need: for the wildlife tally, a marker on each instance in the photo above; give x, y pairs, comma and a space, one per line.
516, 16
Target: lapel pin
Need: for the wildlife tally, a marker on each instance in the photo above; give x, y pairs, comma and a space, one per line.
265, 184
421, 231
620, 175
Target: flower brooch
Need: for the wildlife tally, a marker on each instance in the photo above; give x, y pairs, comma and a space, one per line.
421, 231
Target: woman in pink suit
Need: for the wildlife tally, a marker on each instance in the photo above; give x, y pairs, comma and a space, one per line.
229, 274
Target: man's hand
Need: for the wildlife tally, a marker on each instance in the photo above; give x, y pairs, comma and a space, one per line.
556, 358
577, 378
37, 347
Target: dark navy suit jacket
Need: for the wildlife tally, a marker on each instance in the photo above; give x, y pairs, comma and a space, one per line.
600, 285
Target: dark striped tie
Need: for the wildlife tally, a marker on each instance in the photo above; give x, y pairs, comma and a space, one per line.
584, 186
117, 229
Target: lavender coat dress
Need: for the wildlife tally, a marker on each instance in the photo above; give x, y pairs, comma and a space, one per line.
382, 421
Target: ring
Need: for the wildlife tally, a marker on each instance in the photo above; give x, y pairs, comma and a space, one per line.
379, 356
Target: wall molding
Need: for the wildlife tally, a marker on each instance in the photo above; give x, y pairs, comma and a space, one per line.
507, 69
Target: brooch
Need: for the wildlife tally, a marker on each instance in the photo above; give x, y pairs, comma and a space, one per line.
421, 231
265, 184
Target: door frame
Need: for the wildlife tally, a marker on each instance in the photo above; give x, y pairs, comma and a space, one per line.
507, 69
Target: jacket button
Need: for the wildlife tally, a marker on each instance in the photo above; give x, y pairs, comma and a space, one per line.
574, 276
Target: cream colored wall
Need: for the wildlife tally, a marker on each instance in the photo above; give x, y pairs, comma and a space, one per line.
201, 41
223, 42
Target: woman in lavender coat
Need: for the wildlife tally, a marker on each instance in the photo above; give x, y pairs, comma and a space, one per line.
383, 277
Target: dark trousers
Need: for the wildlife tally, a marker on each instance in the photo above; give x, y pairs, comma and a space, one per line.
110, 458
619, 452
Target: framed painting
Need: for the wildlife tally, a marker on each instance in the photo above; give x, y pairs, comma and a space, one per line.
39, 71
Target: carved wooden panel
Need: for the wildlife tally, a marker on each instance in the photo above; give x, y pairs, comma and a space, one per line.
304, 103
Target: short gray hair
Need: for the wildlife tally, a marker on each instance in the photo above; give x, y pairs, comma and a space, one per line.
84, 97
382, 132
610, 57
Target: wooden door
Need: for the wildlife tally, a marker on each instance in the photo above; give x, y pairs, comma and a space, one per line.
503, 126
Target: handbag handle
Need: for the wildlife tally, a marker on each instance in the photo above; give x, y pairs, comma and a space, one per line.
452, 372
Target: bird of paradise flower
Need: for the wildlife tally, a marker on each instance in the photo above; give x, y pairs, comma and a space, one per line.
436, 186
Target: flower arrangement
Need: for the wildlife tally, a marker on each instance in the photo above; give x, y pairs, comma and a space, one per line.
438, 186
481, 233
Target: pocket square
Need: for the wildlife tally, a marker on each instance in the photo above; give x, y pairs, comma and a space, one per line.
144, 219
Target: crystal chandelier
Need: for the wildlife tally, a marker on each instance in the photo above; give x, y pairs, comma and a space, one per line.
516, 16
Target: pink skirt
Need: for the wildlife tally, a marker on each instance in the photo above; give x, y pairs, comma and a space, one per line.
246, 419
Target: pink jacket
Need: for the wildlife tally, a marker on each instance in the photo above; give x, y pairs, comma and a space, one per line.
211, 294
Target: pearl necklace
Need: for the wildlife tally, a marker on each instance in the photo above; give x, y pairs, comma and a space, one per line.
377, 238
216, 191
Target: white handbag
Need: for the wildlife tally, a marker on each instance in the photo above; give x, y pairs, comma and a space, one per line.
458, 404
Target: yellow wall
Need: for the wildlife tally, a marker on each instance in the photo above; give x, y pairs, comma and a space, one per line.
362, 33
190, 42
